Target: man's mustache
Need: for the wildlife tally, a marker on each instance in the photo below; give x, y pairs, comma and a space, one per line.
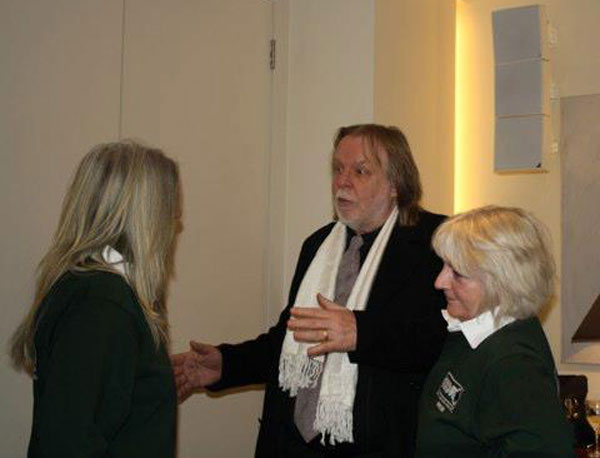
343, 195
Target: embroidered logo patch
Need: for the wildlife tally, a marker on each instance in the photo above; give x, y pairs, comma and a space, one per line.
449, 393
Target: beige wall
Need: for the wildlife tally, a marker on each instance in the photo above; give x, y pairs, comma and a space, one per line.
59, 94
576, 68
330, 84
414, 87
196, 81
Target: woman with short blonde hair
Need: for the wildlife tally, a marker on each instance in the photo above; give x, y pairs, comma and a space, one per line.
493, 391
95, 337
509, 250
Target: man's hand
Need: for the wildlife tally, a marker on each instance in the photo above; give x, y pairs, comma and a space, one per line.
197, 368
332, 326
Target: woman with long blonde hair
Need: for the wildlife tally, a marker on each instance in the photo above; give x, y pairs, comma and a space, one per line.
95, 338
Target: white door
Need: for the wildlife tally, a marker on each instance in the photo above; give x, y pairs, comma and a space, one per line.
196, 82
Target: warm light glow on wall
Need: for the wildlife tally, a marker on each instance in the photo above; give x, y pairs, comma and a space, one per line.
460, 114
471, 116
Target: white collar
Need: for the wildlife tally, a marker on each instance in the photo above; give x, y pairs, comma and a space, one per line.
114, 258
477, 329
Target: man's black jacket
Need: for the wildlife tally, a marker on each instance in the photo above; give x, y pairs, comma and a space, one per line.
400, 335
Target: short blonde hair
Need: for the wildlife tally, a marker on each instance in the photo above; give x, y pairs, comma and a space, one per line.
125, 195
506, 248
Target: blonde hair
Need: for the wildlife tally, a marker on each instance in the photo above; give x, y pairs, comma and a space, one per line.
506, 248
125, 195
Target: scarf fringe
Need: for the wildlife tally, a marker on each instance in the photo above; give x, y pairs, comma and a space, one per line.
298, 371
335, 420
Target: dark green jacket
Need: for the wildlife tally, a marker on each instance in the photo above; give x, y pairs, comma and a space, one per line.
498, 400
101, 387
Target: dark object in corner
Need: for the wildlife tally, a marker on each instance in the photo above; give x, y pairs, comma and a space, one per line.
589, 329
573, 391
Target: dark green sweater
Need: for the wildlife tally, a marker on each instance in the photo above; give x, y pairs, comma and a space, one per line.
102, 389
499, 400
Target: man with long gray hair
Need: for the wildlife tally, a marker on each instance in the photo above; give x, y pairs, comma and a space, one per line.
344, 365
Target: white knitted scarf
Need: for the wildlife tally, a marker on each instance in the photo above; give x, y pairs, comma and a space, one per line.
296, 369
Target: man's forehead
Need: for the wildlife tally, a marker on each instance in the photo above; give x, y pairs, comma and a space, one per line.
360, 159
369, 152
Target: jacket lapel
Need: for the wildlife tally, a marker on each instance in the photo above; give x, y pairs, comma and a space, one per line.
402, 254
